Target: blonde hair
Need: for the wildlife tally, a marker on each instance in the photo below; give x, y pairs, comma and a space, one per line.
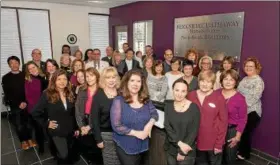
205, 57
63, 56
209, 75
113, 57
27, 73
104, 74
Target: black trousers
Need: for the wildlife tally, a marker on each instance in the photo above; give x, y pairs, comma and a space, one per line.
246, 138
229, 154
126, 159
172, 160
208, 158
39, 132
63, 147
20, 120
89, 150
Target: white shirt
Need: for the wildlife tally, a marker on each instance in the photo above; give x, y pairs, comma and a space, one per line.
99, 66
139, 60
171, 79
129, 64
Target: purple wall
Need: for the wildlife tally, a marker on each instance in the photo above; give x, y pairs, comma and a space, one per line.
261, 39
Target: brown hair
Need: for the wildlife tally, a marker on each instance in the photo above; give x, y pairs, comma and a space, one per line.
146, 59
174, 60
143, 95
94, 72
230, 60
256, 61
82, 71
192, 50
157, 63
78, 51
74, 62
28, 75
232, 74
52, 93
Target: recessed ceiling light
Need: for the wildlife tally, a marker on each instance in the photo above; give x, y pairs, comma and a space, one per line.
97, 1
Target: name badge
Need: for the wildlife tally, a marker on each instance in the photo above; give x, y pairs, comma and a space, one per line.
212, 105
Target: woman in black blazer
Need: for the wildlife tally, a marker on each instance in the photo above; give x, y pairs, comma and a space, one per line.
58, 102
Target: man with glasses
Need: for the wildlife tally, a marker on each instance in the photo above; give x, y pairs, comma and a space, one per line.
96, 62
36, 57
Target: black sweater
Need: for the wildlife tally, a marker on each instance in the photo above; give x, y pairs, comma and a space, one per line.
13, 87
181, 126
55, 111
100, 111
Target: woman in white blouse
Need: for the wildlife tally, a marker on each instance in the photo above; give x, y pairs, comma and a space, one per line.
251, 87
172, 76
226, 64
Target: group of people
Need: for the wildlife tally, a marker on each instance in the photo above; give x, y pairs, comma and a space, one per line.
103, 109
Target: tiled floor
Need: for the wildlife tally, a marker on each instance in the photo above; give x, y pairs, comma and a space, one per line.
11, 154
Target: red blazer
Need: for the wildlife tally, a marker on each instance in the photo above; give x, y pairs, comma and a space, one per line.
213, 121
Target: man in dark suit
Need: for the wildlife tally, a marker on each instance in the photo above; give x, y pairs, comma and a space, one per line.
149, 51
109, 53
128, 63
36, 57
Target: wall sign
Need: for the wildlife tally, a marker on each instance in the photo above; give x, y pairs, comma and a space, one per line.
216, 35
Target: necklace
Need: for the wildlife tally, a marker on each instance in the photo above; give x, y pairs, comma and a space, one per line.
180, 107
110, 94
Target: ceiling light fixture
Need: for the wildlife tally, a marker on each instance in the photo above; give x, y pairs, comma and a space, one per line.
97, 1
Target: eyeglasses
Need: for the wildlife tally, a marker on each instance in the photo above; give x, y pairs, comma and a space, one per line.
205, 63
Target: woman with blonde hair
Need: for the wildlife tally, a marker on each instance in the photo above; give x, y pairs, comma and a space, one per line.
35, 84
100, 110
205, 64
65, 63
116, 60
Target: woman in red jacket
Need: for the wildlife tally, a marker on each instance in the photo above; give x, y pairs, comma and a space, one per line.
213, 123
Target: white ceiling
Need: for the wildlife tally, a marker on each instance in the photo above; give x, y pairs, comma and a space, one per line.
98, 3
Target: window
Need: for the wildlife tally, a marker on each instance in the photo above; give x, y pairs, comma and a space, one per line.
99, 32
142, 35
35, 33
120, 37
23, 30
10, 44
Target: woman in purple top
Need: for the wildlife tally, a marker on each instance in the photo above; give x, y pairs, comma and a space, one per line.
237, 113
76, 66
35, 83
132, 118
